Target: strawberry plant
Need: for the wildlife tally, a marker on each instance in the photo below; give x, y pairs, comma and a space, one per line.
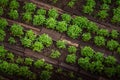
10, 57
106, 1
39, 63
41, 11
86, 36
13, 14
103, 14
26, 42
72, 49
55, 54
3, 3
38, 20
2, 35
114, 34
98, 56
110, 60
112, 45
14, 4
19, 60
92, 27
118, 50
2, 52
3, 23
1, 11
71, 3
87, 51
53, 13
29, 7
17, 30
66, 17
118, 70
37, 46
118, 2
71, 58
99, 40
105, 7
103, 32
61, 44
110, 71
12, 40
30, 35
51, 23
48, 67
74, 31
61, 26
45, 75
28, 61
27, 17
45, 40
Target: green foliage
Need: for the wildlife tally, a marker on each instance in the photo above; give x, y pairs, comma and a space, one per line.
29, 7
61, 44
110, 60
114, 34
3, 23
118, 2
86, 36
51, 23
28, 61
84, 63
38, 20
39, 63
17, 30
72, 49
105, 7
45, 39
12, 40
55, 54
87, 51
26, 42
2, 52
112, 45
2, 35
103, 32
92, 27
71, 3
118, 70
48, 66
118, 50
74, 31
61, 26
1, 11
41, 11
30, 35
103, 14
98, 56
71, 58
37, 46
45, 75
54, 1
14, 4
106, 1
19, 60
53, 13
66, 17
99, 40
110, 71
3, 3
27, 17
13, 14
10, 57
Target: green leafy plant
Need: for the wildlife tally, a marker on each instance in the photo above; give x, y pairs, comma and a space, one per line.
110, 60
17, 30
38, 20
118, 50
106, 1
26, 42
71, 3
41, 11
51, 23
61, 26
13, 14
3, 23
92, 27
53, 13
118, 70
3, 3
74, 31
45, 75
66, 17
14, 4
112, 44
29, 7
48, 66
61, 44
55, 54
105, 7
10, 57
37, 46
45, 39
114, 34
99, 40
39, 63
28, 61
72, 49
103, 32
54, 1
71, 58
2, 52
19, 60
87, 51
1, 11
2, 35
110, 71
27, 17
98, 56
30, 35
86, 36
103, 14
12, 40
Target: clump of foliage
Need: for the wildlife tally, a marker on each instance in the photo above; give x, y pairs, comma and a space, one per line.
72, 49
2, 35
48, 67
61, 26
41, 11
87, 51
118, 50
1, 11
45, 75
110, 60
14, 4
26, 42
92, 27
3, 23
105, 7
66, 17
74, 31
38, 20
114, 34
13, 14
99, 40
37, 46
2, 52
29, 7
103, 32
71, 58
3, 3
103, 14
30, 35
28, 61
86, 36
39, 63
106, 1
55, 54
71, 3
10, 57
53, 13
12, 40
112, 45
51, 23
110, 71
98, 56
19, 60
61, 44
45, 39
27, 17
17, 30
